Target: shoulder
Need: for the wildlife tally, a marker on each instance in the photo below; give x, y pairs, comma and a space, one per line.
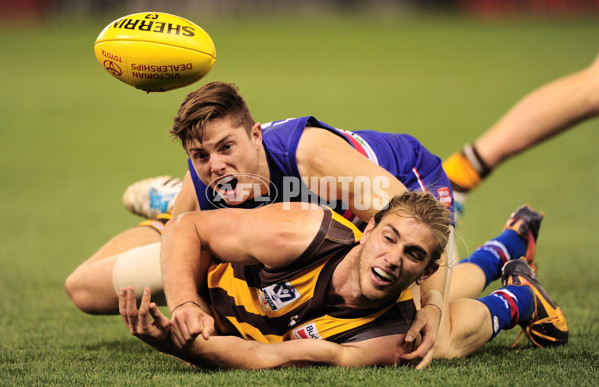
319, 143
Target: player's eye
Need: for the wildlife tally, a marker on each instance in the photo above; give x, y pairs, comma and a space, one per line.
201, 156
414, 255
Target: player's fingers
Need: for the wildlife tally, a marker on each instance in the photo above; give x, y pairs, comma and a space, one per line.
426, 345
188, 335
207, 332
208, 327
414, 330
426, 359
195, 325
177, 324
145, 299
160, 320
123, 305
175, 338
418, 353
132, 314
144, 311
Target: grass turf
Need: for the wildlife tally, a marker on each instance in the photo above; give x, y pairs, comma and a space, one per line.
72, 138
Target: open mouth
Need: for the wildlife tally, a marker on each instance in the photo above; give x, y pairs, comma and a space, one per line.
382, 275
227, 184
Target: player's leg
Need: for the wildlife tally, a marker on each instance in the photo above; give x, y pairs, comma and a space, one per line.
545, 112
518, 239
470, 323
90, 286
521, 301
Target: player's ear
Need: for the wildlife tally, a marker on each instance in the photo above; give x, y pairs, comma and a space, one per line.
430, 269
367, 230
256, 134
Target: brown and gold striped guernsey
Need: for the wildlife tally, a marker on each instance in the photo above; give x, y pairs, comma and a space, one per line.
287, 303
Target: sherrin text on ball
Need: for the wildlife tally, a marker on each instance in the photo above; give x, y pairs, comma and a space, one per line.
155, 51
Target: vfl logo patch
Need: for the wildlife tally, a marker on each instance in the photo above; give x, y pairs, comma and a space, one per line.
444, 196
276, 296
306, 332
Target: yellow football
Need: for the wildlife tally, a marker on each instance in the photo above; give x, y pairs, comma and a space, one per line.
155, 51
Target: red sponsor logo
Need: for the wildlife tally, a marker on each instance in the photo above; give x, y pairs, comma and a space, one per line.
307, 332
444, 195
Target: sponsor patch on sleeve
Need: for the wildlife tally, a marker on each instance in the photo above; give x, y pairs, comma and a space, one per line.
444, 195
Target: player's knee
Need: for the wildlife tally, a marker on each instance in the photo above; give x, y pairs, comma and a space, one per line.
446, 351
455, 347
470, 328
74, 292
79, 295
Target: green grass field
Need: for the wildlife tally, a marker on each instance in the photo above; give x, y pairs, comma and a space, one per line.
72, 138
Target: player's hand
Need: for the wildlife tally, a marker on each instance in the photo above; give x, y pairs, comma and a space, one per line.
427, 322
188, 321
138, 321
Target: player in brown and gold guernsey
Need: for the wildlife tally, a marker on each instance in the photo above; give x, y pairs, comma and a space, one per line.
294, 284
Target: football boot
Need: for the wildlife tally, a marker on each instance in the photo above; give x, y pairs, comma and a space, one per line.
526, 222
548, 326
152, 197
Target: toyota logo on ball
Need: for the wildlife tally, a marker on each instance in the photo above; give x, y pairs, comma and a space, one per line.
112, 68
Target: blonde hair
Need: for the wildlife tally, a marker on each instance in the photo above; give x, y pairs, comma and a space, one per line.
424, 207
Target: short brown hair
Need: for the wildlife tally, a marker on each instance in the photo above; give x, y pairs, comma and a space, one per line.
425, 208
211, 101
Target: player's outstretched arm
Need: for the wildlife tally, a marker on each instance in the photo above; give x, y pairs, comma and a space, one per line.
245, 354
152, 327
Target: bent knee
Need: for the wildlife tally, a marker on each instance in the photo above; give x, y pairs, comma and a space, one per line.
89, 300
470, 328
77, 294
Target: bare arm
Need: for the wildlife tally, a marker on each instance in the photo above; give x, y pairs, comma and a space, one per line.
234, 352
363, 185
273, 235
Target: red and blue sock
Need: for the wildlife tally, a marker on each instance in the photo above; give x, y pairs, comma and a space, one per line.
491, 256
509, 306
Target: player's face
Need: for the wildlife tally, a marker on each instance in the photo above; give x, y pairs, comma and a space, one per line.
394, 254
228, 160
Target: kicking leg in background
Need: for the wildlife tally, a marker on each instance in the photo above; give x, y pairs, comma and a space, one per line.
543, 113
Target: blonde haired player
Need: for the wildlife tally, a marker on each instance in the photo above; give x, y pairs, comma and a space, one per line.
293, 285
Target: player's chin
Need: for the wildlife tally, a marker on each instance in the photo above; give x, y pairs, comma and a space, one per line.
378, 293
